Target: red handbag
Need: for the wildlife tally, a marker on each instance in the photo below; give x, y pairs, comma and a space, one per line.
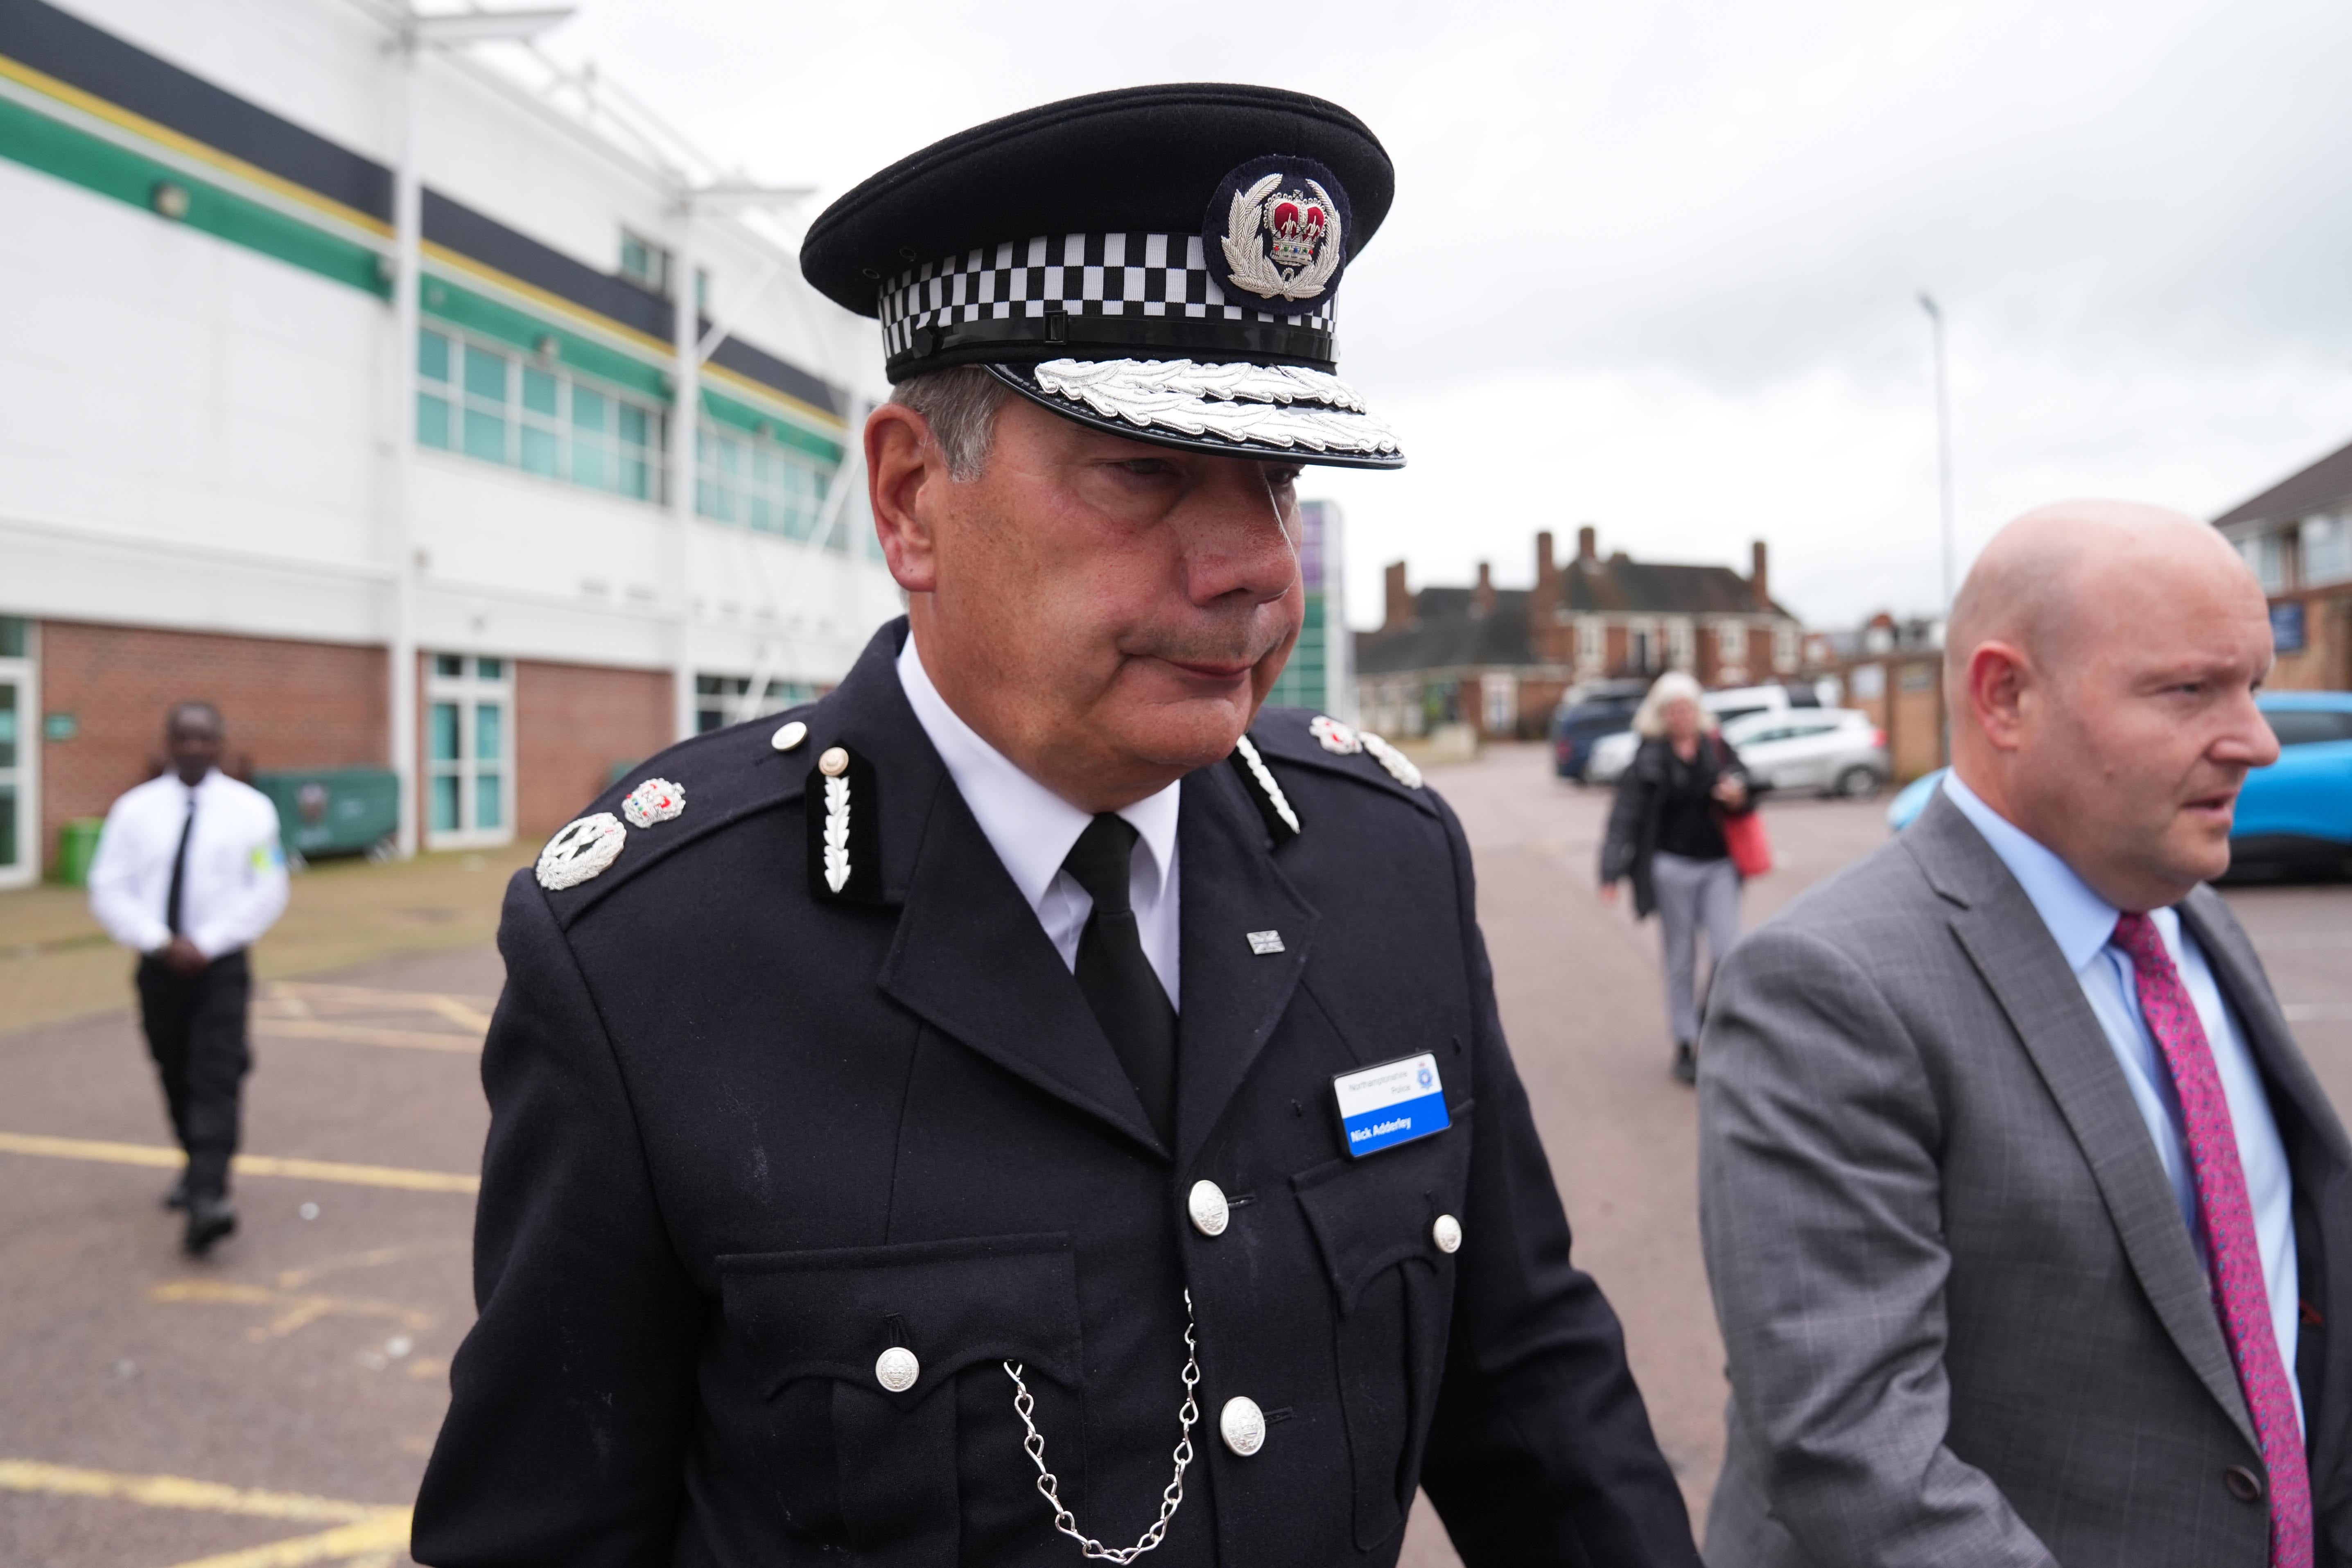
1751, 847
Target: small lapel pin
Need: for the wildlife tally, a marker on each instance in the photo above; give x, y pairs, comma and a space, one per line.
1262, 942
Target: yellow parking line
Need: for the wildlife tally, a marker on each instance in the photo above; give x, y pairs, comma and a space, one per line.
165, 1159
177, 1492
387, 1530
365, 1035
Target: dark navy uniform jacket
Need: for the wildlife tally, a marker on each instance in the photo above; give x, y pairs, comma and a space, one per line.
746, 1135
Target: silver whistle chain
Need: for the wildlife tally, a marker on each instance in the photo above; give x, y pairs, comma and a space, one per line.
1049, 1487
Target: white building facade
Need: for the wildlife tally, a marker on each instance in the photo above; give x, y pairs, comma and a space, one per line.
428, 519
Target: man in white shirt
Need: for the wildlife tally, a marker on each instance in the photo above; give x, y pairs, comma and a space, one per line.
2026, 1218
189, 873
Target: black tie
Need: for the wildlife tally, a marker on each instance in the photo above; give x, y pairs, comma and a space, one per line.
1117, 981
179, 870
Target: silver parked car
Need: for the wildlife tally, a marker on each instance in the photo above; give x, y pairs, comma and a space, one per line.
1837, 751
1612, 754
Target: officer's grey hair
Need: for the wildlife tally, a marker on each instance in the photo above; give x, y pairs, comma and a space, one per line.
960, 405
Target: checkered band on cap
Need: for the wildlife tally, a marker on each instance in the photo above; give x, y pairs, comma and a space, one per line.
1065, 296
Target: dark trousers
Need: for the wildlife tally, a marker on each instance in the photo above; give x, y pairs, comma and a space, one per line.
195, 1031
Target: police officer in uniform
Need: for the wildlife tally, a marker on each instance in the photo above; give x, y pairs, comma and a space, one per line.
1036, 1104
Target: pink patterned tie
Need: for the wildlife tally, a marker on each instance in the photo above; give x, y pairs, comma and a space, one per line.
2240, 1294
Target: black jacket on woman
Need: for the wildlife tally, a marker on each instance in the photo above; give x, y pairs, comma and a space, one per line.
1657, 781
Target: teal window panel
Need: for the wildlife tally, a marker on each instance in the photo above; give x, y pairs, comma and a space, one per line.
489, 800
431, 355
588, 465
12, 637
491, 669
8, 850
485, 436
443, 727
445, 803
485, 375
449, 664
539, 452
431, 421
538, 391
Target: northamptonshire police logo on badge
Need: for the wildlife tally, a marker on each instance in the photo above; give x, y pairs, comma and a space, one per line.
1276, 234
1425, 1077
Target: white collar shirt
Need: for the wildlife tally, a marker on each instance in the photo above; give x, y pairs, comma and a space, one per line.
235, 885
2084, 925
1033, 831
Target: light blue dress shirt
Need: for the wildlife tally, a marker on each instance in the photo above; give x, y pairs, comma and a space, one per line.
2083, 924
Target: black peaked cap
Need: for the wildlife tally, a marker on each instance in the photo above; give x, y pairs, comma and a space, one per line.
1135, 158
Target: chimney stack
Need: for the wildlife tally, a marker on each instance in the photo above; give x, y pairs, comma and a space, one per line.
1399, 613
1545, 600
1759, 580
1588, 545
1486, 600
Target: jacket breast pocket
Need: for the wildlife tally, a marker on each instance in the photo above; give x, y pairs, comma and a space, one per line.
1376, 1221
870, 1342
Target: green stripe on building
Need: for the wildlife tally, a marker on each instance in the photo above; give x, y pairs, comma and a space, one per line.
95, 164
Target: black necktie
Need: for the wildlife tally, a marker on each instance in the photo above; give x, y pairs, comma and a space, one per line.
179, 870
1117, 981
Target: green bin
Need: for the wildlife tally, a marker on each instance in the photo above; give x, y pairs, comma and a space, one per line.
333, 811
76, 847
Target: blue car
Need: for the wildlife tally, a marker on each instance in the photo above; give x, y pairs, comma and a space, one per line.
2296, 812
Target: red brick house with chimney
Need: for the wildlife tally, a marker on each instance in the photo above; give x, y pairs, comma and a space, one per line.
1500, 659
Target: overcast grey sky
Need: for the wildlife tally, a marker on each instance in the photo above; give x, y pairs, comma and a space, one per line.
1655, 266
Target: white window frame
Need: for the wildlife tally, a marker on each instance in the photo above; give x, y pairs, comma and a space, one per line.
2317, 572
1681, 644
560, 427
1784, 648
1731, 644
470, 690
25, 675
1591, 642
1499, 703
738, 475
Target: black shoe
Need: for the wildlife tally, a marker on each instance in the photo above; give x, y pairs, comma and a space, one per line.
210, 1218
1686, 1063
177, 1197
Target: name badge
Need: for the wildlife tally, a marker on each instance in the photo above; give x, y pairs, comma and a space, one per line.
1394, 1103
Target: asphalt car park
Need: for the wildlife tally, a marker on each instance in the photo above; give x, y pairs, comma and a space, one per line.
274, 1405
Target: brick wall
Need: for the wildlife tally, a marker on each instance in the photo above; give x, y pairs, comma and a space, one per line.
285, 704
573, 722
2325, 664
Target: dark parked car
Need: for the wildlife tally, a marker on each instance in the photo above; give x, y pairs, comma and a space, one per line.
1596, 710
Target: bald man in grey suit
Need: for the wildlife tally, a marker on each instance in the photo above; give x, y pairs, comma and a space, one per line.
2026, 1218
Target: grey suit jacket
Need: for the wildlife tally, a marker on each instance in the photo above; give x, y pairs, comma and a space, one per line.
1965, 1322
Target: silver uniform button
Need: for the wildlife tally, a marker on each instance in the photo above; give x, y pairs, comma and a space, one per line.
790, 735
896, 1369
1446, 1233
1207, 1207
1241, 1425
834, 763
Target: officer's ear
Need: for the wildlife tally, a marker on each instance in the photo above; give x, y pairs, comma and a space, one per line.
907, 481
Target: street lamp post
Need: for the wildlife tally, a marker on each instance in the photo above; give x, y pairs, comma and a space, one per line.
1943, 436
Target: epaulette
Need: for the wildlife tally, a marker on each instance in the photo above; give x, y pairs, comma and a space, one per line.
1309, 739
669, 801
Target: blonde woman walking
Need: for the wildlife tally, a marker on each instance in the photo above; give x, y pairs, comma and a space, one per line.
1665, 833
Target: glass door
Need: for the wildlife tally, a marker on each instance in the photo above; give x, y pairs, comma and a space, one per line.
469, 751
20, 854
